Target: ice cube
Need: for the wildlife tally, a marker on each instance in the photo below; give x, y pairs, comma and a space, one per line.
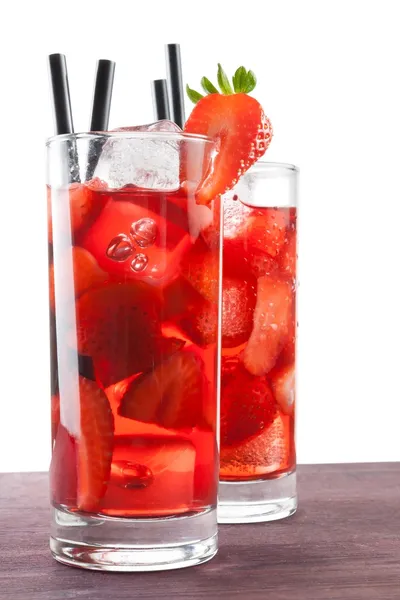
146, 163
150, 474
266, 453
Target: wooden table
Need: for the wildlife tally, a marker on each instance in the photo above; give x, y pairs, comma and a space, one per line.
343, 543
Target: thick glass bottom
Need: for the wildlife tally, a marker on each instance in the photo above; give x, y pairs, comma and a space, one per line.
117, 544
256, 501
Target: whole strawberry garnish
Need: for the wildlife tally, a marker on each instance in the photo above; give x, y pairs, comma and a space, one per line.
236, 122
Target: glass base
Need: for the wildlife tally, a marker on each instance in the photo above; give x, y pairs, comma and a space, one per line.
256, 501
116, 544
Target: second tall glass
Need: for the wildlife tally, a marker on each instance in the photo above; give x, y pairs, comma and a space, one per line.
134, 298
257, 446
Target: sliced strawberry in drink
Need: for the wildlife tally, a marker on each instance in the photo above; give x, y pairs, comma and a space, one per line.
288, 354
238, 302
287, 256
172, 395
94, 446
247, 407
63, 469
201, 324
179, 299
119, 326
86, 273
200, 267
283, 387
271, 325
261, 264
267, 230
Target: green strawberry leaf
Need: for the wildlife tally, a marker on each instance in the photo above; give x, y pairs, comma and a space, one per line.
208, 87
223, 81
193, 95
239, 80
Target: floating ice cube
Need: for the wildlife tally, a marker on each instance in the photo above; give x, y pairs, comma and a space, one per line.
147, 163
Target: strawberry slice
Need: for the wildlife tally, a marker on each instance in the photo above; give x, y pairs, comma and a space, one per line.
247, 407
85, 205
271, 325
200, 267
63, 469
119, 326
236, 122
86, 272
238, 302
94, 446
172, 395
201, 324
283, 386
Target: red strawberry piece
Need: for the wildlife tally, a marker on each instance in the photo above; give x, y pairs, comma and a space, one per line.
94, 445
283, 386
86, 273
200, 267
119, 326
271, 325
266, 230
201, 324
179, 299
247, 407
63, 474
287, 256
242, 132
238, 302
288, 354
172, 395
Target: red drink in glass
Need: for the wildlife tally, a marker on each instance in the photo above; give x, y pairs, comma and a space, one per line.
258, 346
134, 290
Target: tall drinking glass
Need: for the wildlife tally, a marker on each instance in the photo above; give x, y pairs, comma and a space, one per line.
134, 296
258, 459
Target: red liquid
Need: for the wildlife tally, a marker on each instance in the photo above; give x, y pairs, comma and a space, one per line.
258, 342
134, 314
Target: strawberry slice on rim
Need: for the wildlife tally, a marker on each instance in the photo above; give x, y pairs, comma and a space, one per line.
238, 125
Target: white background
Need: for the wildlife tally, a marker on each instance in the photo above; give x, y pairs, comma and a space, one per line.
328, 78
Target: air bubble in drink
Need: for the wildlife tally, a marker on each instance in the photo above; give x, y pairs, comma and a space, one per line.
131, 475
144, 232
139, 262
120, 248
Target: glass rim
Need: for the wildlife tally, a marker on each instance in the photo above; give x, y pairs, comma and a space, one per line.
161, 135
264, 165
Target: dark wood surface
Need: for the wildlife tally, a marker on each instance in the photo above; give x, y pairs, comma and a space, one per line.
343, 543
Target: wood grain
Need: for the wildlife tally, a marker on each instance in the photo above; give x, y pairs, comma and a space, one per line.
344, 543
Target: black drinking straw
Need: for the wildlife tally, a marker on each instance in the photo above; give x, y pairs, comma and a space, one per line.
102, 95
62, 110
160, 99
103, 86
61, 97
175, 84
